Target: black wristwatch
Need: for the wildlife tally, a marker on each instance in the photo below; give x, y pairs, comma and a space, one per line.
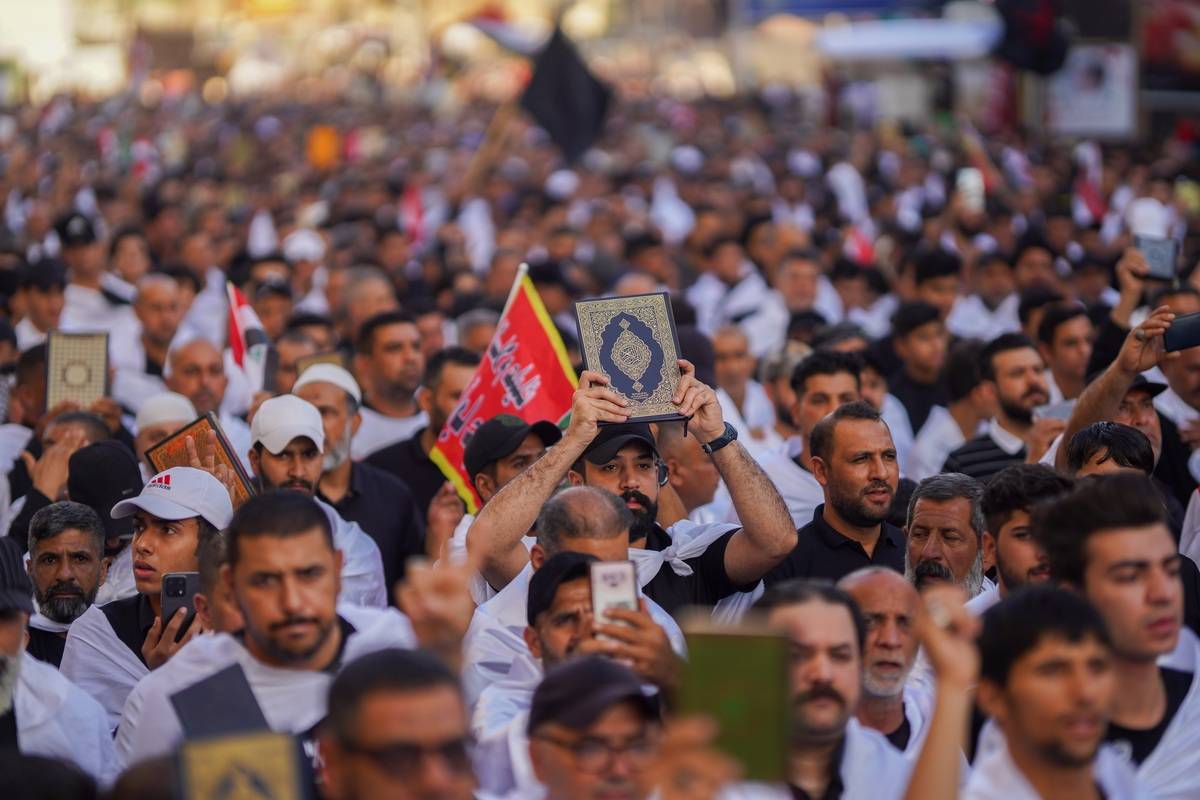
725, 438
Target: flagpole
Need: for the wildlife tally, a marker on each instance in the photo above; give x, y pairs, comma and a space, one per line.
522, 271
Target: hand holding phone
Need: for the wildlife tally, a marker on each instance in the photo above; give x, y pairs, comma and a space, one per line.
179, 590
614, 585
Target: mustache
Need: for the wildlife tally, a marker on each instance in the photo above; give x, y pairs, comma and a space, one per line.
289, 621
873, 485
65, 587
930, 571
303, 486
821, 691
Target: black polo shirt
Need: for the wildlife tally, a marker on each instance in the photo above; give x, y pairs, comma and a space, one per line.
822, 552
131, 619
708, 583
834, 789
384, 507
46, 645
407, 461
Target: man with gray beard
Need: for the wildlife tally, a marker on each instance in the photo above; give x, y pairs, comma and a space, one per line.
945, 533
378, 501
67, 567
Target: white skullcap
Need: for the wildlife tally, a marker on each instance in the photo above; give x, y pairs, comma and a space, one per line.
165, 407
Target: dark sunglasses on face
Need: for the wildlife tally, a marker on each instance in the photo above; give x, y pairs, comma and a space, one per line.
401, 759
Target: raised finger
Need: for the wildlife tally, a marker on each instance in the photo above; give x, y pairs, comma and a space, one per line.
589, 378
193, 456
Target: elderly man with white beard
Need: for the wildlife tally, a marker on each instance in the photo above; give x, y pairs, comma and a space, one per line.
378, 501
945, 533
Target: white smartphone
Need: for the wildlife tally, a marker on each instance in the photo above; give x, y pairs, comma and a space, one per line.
1055, 410
614, 585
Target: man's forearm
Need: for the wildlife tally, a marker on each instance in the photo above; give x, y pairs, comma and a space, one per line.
496, 534
1100, 401
767, 534
936, 772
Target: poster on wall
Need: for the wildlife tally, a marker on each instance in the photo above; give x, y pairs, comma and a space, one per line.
1095, 93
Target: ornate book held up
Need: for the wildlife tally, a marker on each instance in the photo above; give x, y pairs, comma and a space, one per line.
632, 340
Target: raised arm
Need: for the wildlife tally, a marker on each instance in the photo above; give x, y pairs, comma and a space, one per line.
1101, 400
767, 534
495, 536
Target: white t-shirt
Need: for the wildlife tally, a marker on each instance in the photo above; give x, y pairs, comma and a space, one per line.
939, 437
798, 488
362, 565
996, 777
56, 719
378, 431
970, 318
292, 701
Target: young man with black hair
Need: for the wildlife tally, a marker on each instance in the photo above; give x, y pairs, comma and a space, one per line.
948, 427
1103, 448
110, 648
732, 290
1049, 682
1109, 541
1034, 303
937, 280
992, 309
40, 289
389, 363
921, 342
284, 575
1014, 375
1065, 336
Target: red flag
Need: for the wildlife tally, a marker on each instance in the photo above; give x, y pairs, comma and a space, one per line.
525, 372
245, 329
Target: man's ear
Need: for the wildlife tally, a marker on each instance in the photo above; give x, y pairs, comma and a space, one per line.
988, 544
203, 610
575, 478
991, 701
227, 578
820, 471
104, 564
532, 642
673, 476
356, 423
425, 400
254, 461
537, 556
485, 486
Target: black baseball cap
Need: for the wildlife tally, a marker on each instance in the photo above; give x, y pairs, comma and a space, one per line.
1140, 381
612, 438
576, 692
557, 570
100, 476
75, 229
500, 436
16, 590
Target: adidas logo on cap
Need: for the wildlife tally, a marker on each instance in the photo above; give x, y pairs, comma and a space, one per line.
160, 481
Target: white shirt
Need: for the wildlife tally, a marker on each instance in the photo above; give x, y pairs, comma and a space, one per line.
798, 488
895, 416
207, 316
756, 308
970, 318
119, 583
292, 700
132, 385
56, 719
89, 310
1176, 409
456, 553
362, 565
28, 335
939, 437
238, 433
99, 663
757, 415
981, 602
378, 431
871, 769
1004, 439
996, 777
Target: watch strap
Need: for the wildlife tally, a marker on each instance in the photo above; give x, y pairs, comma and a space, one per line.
725, 438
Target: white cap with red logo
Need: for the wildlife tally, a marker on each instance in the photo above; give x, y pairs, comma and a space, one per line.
181, 493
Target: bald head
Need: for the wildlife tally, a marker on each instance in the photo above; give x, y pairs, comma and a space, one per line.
889, 606
159, 307
197, 371
581, 513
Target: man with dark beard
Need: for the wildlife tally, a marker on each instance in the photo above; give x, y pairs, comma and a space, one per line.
67, 566
854, 460
1015, 375
945, 533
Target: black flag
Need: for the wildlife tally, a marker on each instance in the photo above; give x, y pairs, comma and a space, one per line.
565, 98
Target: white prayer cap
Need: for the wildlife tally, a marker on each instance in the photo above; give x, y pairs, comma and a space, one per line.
303, 245
330, 373
284, 418
165, 407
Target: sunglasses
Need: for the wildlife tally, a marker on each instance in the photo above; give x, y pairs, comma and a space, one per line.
400, 759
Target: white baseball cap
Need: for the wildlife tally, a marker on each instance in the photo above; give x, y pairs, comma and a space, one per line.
283, 418
165, 407
303, 245
181, 493
330, 373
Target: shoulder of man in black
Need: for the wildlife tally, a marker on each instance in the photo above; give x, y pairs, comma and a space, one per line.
46, 646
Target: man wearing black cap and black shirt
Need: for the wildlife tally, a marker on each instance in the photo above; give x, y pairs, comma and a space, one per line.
699, 564
40, 291
587, 716
41, 712
88, 304
500, 450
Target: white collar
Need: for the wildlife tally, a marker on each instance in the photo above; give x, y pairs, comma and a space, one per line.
1005, 440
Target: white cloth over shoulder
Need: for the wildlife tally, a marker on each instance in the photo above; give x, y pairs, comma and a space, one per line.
871, 770
996, 777
292, 701
99, 663
498, 724
57, 719
119, 583
1189, 542
1172, 771
362, 565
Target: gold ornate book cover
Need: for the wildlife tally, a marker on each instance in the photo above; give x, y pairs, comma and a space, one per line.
76, 368
172, 452
632, 340
253, 765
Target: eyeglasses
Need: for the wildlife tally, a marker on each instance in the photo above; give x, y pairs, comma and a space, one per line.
401, 759
594, 755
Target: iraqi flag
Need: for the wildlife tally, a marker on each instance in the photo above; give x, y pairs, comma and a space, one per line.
248, 341
524, 372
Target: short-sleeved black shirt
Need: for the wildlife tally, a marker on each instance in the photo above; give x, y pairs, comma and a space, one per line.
1140, 743
408, 462
708, 583
822, 552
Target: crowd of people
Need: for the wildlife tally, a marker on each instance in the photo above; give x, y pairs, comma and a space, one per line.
935, 444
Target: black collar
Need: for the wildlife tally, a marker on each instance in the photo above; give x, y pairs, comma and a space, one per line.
889, 535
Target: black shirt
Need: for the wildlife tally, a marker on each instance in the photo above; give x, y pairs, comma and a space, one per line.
899, 737
1141, 743
383, 506
708, 583
408, 462
131, 619
918, 399
822, 552
834, 790
46, 646
981, 458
